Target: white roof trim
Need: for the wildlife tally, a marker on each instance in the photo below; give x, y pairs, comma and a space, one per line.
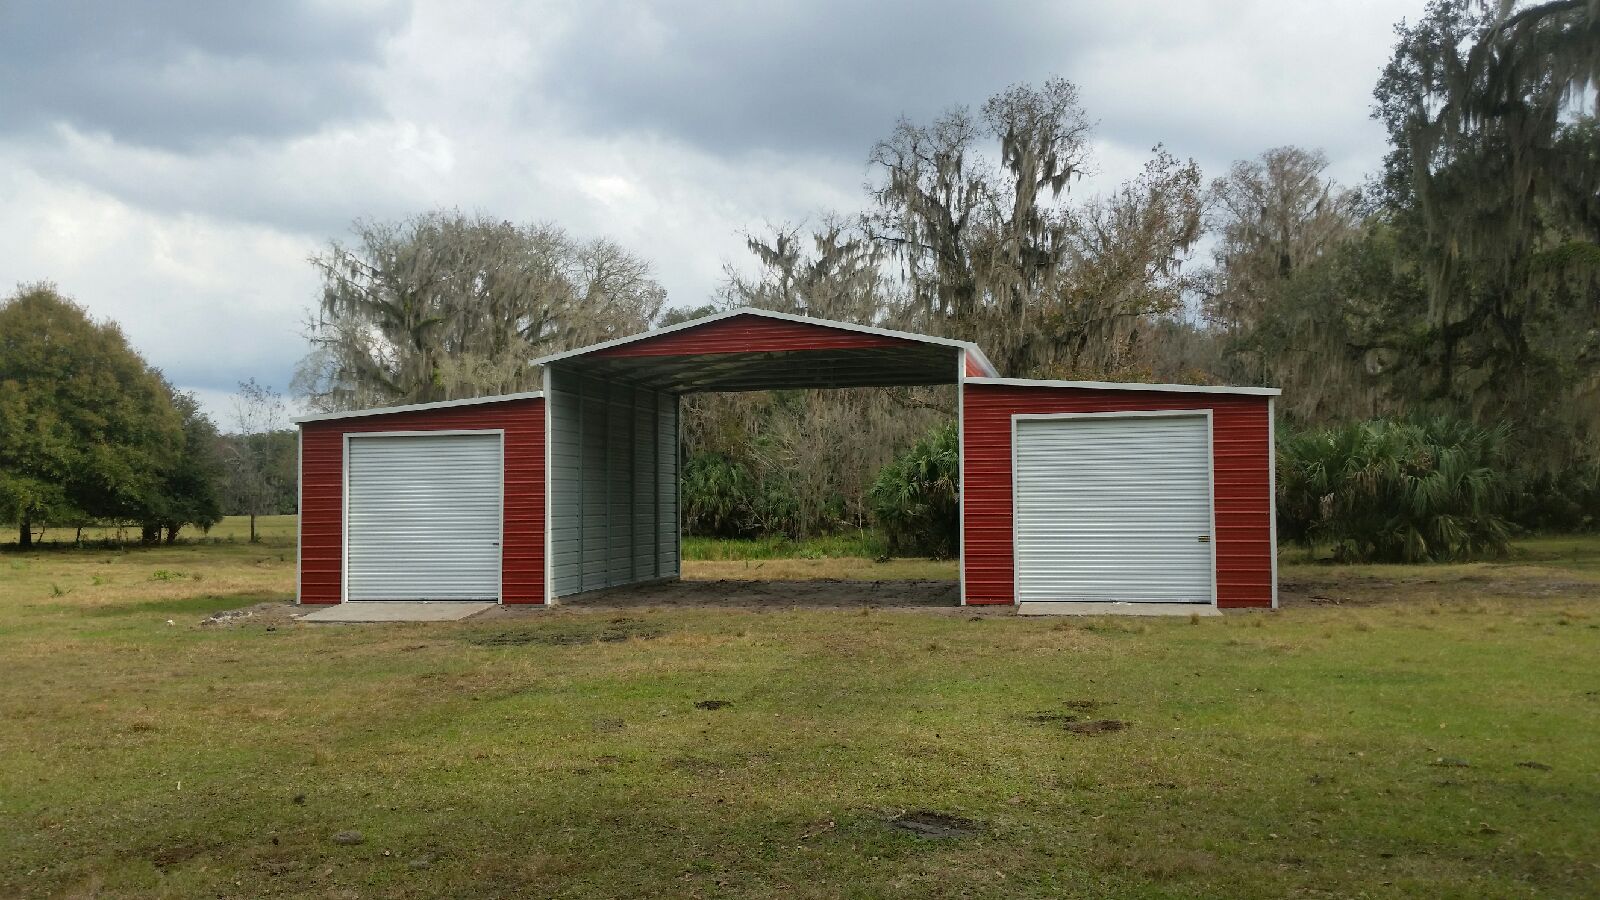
1131, 386
974, 349
416, 407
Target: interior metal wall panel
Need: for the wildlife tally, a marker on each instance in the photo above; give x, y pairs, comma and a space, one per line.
424, 517
614, 458
1114, 508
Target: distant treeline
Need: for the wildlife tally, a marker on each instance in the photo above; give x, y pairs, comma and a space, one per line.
91, 434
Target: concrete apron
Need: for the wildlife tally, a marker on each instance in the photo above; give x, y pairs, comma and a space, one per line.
1069, 608
397, 611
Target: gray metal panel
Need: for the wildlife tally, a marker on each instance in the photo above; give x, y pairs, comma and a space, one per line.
776, 369
1113, 508
668, 448
565, 496
613, 488
423, 517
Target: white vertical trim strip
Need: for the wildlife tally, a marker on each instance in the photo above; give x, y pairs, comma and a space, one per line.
500, 572
961, 478
549, 500
677, 477
344, 516
300, 517
1272, 492
1211, 498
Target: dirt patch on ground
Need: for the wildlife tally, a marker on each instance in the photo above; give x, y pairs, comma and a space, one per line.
1076, 724
1095, 726
929, 824
260, 615
939, 597
925, 596
568, 634
1310, 587
1077, 721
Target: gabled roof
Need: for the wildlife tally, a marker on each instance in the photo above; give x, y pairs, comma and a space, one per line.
970, 347
758, 349
414, 407
1132, 386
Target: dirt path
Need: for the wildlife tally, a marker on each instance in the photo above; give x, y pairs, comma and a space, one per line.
939, 597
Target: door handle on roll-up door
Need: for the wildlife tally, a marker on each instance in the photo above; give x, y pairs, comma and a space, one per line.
1204, 538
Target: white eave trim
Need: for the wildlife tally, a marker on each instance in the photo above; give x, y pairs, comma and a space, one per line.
1130, 386
968, 346
416, 407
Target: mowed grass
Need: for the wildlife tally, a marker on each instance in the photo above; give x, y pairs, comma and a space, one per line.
1425, 731
275, 529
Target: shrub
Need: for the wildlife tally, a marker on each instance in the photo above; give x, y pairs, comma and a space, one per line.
722, 498
1564, 501
716, 496
915, 497
1396, 491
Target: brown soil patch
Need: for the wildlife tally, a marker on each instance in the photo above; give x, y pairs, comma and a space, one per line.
929, 824
567, 634
274, 614
1335, 588
930, 596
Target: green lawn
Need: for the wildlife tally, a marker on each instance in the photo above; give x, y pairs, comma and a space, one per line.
1425, 731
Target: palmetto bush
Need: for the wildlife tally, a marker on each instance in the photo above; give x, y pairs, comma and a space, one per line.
723, 498
1428, 490
914, 499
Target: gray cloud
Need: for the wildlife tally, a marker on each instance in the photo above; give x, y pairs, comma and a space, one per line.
825, 77
172, 164
180, 73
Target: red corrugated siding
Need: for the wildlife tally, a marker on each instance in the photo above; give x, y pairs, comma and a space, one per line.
974, 368
1241, 465
751, 334
322, 492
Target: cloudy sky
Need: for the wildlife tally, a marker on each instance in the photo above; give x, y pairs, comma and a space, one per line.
171, 165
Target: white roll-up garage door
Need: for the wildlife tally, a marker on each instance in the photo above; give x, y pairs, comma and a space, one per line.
1114, 508
423, 517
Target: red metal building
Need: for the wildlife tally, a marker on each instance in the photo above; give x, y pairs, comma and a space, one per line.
1072, 492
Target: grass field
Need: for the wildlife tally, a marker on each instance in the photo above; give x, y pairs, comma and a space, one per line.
1394, 730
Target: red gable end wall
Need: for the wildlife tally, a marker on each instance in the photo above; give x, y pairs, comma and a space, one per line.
751, 334
322, 492
1241, 463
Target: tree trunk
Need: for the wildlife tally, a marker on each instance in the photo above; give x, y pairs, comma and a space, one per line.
252, 528
25, 533
172, 533
149, 534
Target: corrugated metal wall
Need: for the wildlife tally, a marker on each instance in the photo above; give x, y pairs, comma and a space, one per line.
322, 492
1241, 466
613, 483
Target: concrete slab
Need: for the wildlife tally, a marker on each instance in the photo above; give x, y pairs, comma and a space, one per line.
1067, 608
398, 611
